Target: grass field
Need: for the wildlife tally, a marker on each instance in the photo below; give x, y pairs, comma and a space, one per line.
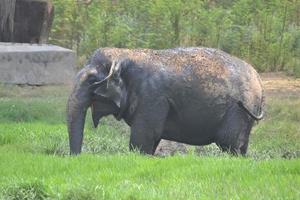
34, 161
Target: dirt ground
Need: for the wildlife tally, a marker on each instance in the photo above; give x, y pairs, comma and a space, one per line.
279, 84
275, 84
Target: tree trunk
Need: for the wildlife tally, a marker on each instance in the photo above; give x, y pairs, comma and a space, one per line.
7, 13
25, 21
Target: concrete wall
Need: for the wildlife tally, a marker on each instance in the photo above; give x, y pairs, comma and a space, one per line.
36, 64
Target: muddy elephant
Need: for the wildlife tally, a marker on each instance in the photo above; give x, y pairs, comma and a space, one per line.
196, 96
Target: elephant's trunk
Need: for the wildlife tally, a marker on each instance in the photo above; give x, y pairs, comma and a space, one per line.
76, 112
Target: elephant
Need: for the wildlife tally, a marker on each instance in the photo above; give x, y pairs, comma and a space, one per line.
192, 95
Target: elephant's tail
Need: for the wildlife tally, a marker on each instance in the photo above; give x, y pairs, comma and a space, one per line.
256, 117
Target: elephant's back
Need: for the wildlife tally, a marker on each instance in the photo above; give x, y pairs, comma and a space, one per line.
196, 60
214, 72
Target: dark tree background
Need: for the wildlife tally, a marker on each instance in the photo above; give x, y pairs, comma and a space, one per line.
263, 32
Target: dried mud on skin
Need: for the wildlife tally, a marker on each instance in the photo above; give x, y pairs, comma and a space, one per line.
203, 60
205, 63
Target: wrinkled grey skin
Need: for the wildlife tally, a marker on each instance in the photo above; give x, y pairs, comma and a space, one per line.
195, 96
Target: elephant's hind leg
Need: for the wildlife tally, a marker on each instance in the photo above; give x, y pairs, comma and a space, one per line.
233, 134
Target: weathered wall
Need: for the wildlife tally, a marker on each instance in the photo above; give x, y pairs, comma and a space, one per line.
35, 64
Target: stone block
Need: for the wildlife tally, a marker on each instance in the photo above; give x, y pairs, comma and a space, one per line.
34, 64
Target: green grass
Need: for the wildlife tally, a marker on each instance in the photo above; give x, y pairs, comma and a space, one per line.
34, 161
132, 176
278, 135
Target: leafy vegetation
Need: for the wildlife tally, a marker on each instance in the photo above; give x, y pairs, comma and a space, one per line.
264, 33
34, 161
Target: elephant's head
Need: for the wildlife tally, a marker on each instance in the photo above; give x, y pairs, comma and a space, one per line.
100, 86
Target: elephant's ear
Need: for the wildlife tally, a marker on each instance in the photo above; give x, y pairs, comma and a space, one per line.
112, 87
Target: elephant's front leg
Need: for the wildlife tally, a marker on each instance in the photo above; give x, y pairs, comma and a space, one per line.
147, 127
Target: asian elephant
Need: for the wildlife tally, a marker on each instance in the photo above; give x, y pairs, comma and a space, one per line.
191, 95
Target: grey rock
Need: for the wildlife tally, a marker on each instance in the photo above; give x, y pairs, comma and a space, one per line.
167, 148
35, 64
